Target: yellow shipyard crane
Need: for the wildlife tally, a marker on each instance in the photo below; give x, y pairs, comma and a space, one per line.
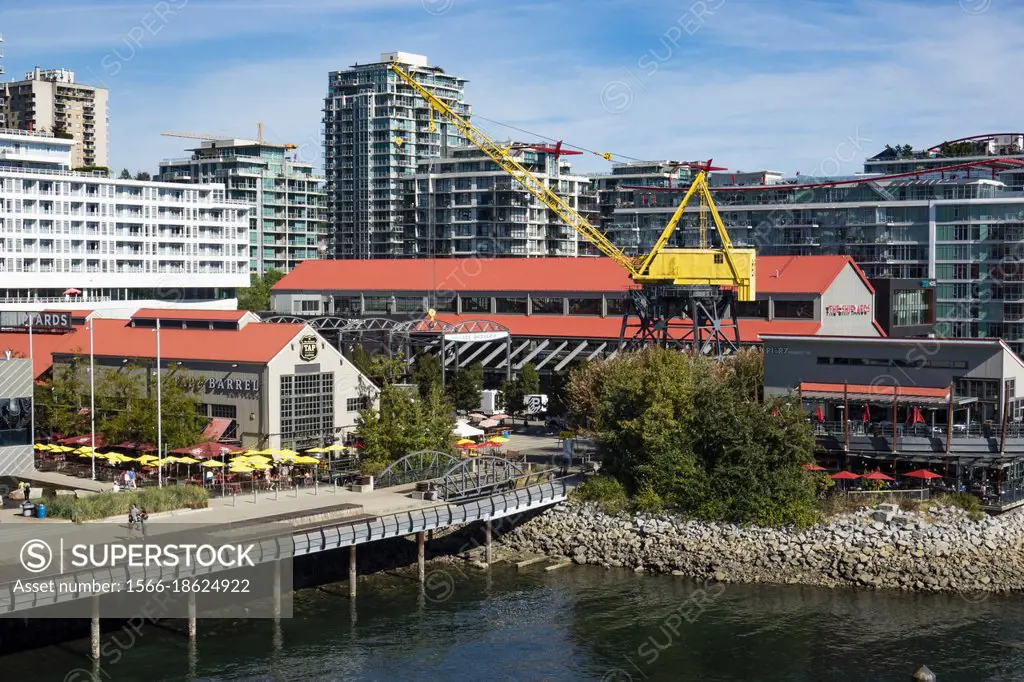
684, 296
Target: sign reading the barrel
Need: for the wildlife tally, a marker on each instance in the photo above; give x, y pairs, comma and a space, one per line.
310, 346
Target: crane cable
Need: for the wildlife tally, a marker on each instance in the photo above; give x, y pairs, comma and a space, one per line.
607, 156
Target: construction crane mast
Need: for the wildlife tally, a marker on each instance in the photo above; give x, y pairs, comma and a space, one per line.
685, 297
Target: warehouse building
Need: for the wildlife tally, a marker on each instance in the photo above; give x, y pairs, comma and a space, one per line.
261, 385
555, 310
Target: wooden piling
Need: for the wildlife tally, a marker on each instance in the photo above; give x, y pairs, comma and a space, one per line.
421, 554
489, 549
192, 618
94, 634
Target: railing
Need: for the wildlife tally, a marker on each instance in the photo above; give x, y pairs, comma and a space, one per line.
917, 494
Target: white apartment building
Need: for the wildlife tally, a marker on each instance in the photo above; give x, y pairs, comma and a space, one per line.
51, 101
111, 240
3, 91
463, 204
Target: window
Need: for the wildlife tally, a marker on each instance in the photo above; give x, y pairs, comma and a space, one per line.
378, 304
347, 305
758, 309
475, 304
311, 306
307, 409
15, 421
800, 310
356, 404
909, 307
510, 306
617, 306
546, 306
584, 306
222, 411
409, 305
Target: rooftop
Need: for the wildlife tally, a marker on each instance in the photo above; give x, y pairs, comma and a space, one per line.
776, 275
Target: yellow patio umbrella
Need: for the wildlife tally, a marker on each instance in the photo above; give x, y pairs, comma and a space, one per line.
336, 447
259, 466
240, 469
41, 446
61, 448
306, 460
464, 441
145, 459
85, 449
251, 452
89, 455
187, 460
499, 439
128, 458
165, 461
212, 463
287, 453
317, 450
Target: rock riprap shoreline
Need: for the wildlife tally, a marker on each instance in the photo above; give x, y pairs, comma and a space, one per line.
937, 548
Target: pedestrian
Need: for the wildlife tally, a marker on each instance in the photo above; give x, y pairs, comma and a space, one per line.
134, 517
143, 517
26, 489
131, 479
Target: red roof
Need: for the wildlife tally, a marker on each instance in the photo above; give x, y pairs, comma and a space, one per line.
179, 314
253, 343
583, 327
873, 389
43, 346
776, 274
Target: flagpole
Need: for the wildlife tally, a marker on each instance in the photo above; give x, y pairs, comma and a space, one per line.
159, 411
31, 364
92, 398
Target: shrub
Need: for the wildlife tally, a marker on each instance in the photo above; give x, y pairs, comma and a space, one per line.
107, 505
648, 501
606, 491
969, 503
373, 466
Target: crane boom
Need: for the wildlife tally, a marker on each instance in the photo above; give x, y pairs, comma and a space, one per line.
699, 270
528, 180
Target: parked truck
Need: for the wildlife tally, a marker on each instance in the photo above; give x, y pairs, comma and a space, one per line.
489, 402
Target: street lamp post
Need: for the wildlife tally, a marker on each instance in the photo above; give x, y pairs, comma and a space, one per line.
159, 411
92, 399
31, 365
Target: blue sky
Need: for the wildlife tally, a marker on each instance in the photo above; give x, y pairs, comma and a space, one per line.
789, 85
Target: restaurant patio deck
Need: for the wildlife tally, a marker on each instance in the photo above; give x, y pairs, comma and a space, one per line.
900, 427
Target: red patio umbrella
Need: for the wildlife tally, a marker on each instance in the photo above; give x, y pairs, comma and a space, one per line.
467, 446
915, 417
844, 476
819, 414
878, 476
866, 414
207, 450
813, 467
923, 474
72, 292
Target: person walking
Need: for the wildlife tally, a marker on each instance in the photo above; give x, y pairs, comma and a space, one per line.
134, 517
26, 489
131, 479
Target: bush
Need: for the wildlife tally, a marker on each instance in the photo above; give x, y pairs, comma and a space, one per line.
107, 505
648, 501
606, 491
969, 503
373, 466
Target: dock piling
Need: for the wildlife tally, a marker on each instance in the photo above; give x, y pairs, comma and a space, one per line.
94, 634
489, 549
277, 590
352, 571
421, 554
192, 619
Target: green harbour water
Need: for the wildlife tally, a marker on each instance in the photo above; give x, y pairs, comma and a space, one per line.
574, 624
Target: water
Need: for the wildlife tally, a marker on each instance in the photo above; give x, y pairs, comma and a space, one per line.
576, 624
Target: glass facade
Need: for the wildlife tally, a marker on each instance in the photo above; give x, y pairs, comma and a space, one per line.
15, 421
909, 308
307, 409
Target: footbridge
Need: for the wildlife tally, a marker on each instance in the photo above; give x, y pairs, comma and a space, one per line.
451, 478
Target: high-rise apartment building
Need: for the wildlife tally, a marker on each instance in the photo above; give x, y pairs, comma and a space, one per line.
376, 129
3, 89
959, 230
84, 239
287, 223
463, 204
51, 101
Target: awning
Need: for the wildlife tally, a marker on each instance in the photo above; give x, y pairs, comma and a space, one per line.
882, 395
464, 430
214, 431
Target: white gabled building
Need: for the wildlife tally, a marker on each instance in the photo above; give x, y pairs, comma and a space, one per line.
111, 240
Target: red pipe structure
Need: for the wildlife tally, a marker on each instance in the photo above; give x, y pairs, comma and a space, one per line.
1008, 163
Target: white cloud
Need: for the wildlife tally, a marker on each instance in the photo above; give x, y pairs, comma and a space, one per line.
785, 90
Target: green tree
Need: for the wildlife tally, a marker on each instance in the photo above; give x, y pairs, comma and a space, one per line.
256, 297
143, 175
69, 398
385, 370
511, 396
426, 373
182, 408
125, 174
361, 359
464, 388
530, 379
685, 431
402, 423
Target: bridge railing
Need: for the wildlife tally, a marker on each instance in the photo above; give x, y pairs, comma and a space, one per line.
416, 520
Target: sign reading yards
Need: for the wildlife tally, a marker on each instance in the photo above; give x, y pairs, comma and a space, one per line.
37, 320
